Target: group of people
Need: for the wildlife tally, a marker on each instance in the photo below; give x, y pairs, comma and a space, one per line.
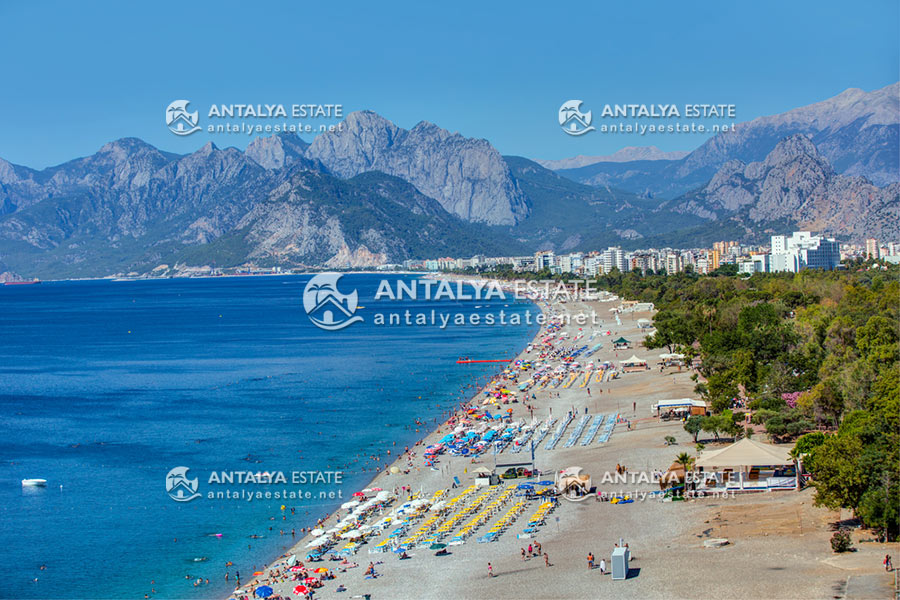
532, 551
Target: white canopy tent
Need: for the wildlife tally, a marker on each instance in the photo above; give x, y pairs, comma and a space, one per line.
749, 465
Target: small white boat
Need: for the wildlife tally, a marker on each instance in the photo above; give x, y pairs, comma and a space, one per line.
34, 483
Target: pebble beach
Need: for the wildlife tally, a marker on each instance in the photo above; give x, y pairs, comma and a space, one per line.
777, 541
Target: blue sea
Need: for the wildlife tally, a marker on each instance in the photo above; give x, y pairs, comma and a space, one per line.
107, 385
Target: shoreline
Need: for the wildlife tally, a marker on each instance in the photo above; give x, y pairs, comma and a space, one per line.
299, 547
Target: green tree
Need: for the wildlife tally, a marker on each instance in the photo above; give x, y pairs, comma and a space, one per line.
693, 425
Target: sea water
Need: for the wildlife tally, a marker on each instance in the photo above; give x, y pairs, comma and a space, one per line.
107, 385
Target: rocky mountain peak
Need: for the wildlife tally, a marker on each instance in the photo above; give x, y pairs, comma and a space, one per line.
792, 148
468, 177
277, 151
795, 182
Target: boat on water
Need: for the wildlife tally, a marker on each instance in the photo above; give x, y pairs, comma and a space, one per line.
32, 282
34, 483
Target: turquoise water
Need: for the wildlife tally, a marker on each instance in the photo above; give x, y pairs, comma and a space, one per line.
105, 386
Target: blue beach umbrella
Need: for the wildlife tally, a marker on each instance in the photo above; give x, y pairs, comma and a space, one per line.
544, 483
264, 591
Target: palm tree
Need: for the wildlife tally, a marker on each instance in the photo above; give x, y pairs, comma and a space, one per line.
685, 460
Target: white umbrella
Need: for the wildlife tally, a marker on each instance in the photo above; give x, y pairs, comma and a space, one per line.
350, 504
382, 496
353, 533
317, 532
317, 542
438, 505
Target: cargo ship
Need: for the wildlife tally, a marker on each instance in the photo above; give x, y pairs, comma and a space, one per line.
32, 282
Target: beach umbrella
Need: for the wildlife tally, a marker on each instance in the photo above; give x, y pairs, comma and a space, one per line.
317, 532
296, 569
395, 470
310, 580
301, 590
321, 570
377, 490
257, 573
357, 494
350, 504
263, 591
437, 546
317, 542
351, 534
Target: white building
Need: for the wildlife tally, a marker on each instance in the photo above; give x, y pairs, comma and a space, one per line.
803, 251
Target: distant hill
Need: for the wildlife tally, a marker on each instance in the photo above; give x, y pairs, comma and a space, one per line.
627, 154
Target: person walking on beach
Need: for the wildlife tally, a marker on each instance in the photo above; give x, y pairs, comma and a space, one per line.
530, 550
523, 554
546, 560
887, 563
537, 548
490, 570
590, 559
603, 566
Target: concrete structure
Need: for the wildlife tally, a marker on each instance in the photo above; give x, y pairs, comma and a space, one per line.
872, 249
803, 251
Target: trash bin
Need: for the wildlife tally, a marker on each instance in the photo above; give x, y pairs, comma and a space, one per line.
619, 563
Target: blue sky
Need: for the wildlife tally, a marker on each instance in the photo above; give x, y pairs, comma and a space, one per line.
76, 76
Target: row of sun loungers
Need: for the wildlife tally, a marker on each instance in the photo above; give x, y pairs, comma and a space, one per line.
576, 433
558, 433
504, 522
592, 430
608, 429
537, 519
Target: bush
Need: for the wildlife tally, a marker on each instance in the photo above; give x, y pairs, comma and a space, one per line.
670, 440
840, 541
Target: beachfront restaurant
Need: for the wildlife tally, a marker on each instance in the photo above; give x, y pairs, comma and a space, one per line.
621, 344
678, 408
634, 365
746, 465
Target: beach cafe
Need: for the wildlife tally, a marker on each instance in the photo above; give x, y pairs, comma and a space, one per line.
671, 359
634, 365
679, 407
746, 465
621, 344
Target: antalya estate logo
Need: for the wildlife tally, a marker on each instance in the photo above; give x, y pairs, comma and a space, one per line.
179, 120
328, 308
179, 487
572, 120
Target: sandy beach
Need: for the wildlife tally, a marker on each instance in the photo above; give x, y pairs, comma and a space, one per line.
778, 542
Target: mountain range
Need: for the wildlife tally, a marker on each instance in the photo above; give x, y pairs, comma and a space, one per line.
372, 192
857, 131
